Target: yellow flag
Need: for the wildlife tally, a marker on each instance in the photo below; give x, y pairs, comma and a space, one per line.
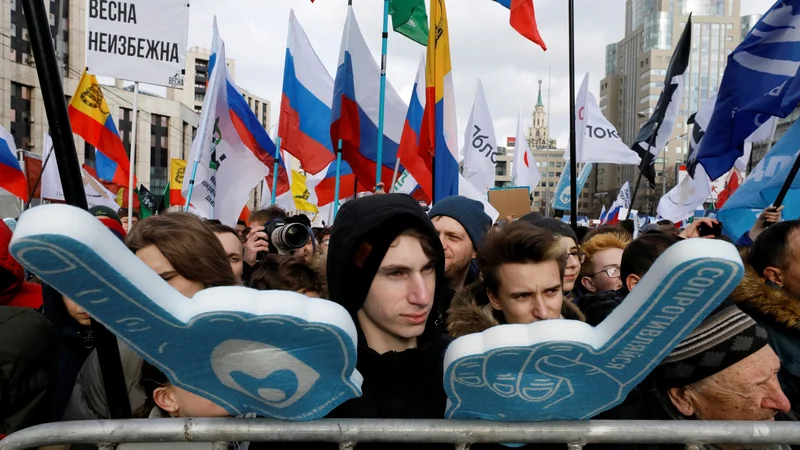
301, 194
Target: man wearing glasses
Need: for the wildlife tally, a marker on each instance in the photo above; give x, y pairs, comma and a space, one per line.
601, 269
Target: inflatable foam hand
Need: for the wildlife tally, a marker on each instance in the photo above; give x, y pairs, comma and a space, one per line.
568, 370
277, 354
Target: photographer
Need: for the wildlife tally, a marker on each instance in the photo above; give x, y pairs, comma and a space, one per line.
283, 236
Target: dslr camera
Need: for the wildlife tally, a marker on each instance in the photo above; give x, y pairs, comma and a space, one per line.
284, 236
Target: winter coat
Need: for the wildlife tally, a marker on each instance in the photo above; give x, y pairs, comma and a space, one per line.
397, 385
14, 291
778, 312
598, 305
27, 367
75, 343
470, 312
88, 400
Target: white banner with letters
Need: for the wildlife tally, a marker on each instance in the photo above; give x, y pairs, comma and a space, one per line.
138, 40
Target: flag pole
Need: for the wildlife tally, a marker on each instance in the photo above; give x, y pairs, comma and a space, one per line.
394, 174
338, 179
276, 169
573, 163
788, 183
132, 164
650, 145
382, 106
69, 169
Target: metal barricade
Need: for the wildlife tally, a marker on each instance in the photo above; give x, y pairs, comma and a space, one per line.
348, 432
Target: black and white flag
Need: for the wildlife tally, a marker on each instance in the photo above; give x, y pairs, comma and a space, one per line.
655, 133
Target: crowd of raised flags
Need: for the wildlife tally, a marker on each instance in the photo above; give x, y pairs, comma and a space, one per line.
348, 142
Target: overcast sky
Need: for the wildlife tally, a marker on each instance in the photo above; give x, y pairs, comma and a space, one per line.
482, 43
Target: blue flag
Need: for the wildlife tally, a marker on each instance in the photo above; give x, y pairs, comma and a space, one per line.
762, 186
760, 81
562, 198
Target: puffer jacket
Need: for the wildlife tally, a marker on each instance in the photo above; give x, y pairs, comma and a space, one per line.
470, 312
14, 291
777, 311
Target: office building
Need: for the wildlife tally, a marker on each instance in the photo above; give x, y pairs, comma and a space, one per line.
748, 22
196, 79
635, 70
165, 126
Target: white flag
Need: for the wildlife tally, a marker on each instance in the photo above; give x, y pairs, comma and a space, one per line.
601, 142
222, 193
682, 200
51, 179
580, 118
524, 171
466, 189
480, 145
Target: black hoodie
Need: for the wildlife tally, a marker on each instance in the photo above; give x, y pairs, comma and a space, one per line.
404, 385
75, 343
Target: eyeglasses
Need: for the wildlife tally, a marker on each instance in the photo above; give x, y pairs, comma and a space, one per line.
612, 272
580, 256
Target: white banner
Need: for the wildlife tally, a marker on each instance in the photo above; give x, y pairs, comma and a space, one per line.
138, 40
51, 179
480, 145
689, 195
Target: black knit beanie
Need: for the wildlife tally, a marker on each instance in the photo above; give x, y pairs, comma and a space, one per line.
724, 338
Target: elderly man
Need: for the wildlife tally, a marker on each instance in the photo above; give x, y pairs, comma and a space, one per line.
724, 370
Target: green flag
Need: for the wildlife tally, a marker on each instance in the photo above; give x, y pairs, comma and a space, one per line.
147, 203
410, 19
165, 203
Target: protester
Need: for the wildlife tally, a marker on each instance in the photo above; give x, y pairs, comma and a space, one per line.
75, 343
256, 240
768, 216
522, 269
264, 216
229, 238
27, 368
14, 290
601, 269
462, 225
164, 399
286, 273
723, 370
324, 239
569, 240
123, 217
386, 267
185, 252
637, 258
240, 228
770, 293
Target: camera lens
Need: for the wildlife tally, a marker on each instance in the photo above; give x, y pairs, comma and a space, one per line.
290, 237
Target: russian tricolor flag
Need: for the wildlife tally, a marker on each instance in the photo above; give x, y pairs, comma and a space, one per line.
613, 216
523, 19
348, 185
249, 129
356, 108
418, 163
438, 136
306, 103
12, 178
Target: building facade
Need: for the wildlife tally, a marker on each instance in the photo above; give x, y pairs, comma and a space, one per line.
165, 126
635, 70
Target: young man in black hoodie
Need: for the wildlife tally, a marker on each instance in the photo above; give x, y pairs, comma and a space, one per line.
386, 267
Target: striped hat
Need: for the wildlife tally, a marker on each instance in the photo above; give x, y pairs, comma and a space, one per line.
724, 338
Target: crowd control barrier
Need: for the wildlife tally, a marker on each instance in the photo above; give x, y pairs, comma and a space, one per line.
108, 434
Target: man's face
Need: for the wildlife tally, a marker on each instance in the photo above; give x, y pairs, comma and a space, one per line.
791, 279
400, 297
528, 292
126, 226
234, 250
306, 253
458, 249
240, 227
605, 262
747, 390
573, 263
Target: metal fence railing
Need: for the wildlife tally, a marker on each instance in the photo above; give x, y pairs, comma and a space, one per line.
348, 432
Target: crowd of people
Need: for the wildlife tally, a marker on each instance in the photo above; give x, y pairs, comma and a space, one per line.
413, 281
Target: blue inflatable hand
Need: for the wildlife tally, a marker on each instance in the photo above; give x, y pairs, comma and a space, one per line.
564, 369
277, 354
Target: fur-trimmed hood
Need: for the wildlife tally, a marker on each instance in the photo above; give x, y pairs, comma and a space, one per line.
754, 295
470, 311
